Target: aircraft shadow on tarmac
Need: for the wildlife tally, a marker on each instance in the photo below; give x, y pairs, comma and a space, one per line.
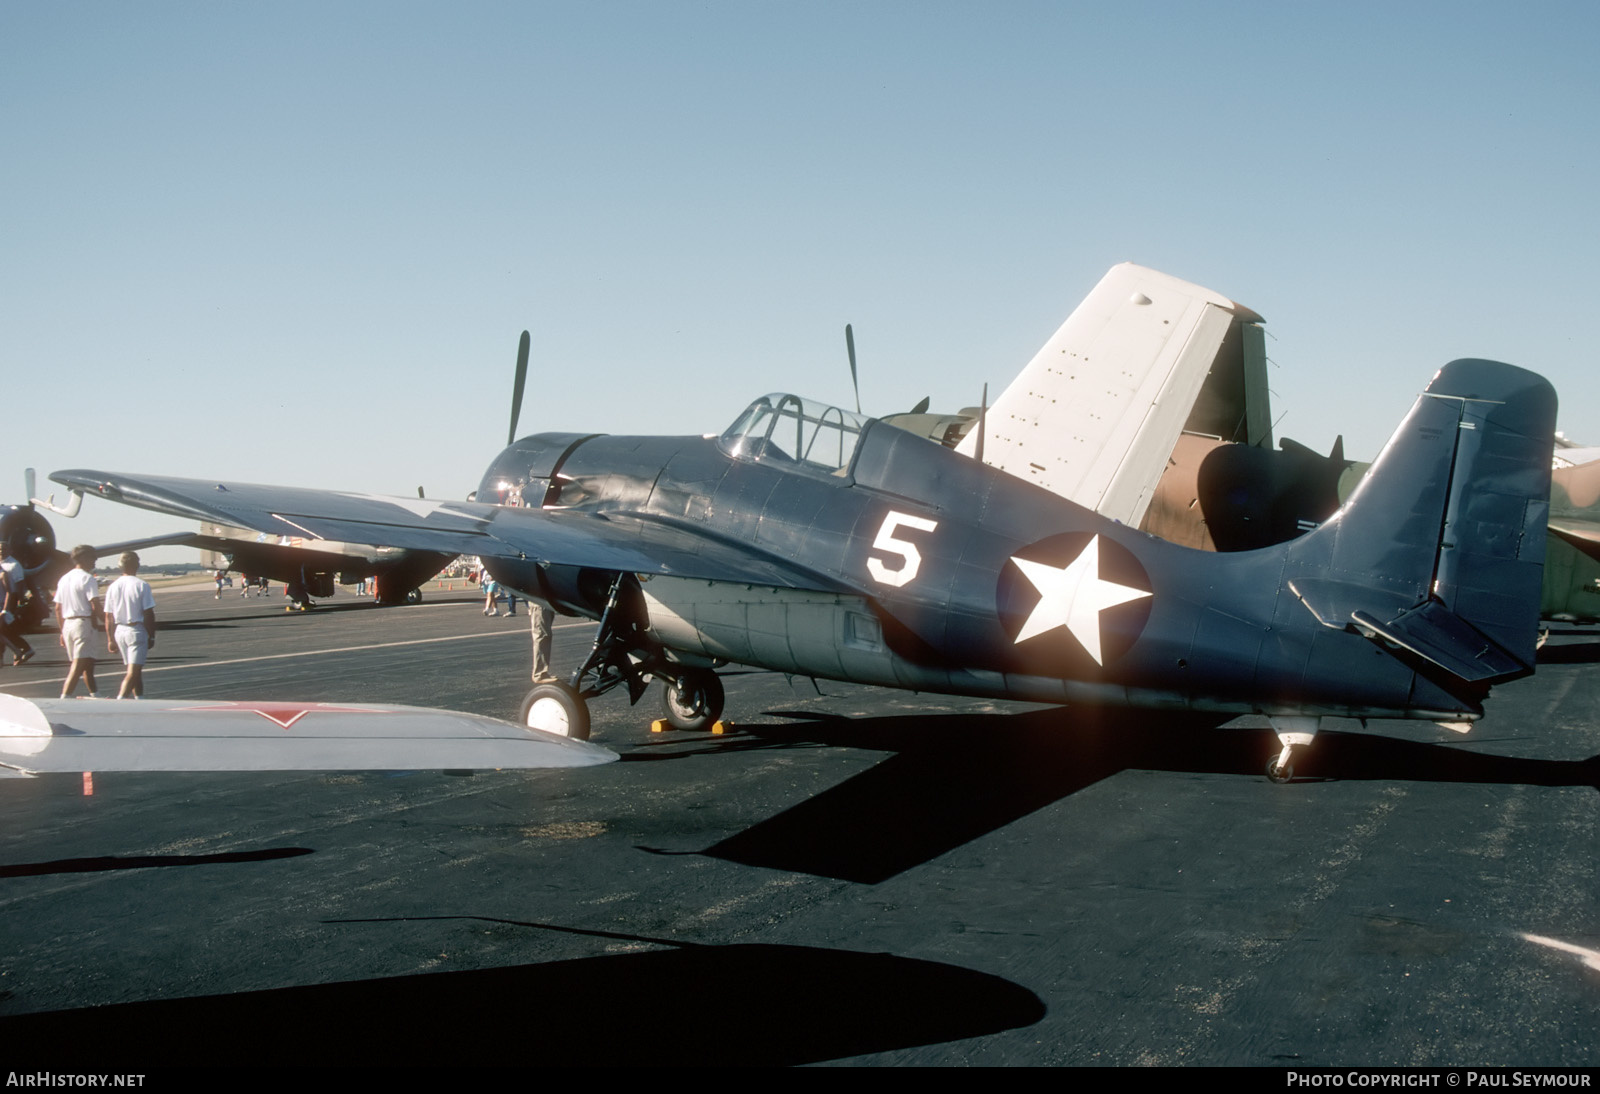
1571, 653
145, 862
954, 778
726, 1005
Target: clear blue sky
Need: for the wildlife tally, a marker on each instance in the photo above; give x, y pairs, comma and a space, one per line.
296, 242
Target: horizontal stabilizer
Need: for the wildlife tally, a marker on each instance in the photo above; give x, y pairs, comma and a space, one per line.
54, 735
1436, 635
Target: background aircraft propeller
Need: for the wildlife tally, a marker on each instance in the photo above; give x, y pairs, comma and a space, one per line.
74, 503
517, 386
983, 422
850, 348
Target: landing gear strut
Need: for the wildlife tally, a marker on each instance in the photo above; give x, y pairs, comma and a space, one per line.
563, 708
624, 653
1293, 731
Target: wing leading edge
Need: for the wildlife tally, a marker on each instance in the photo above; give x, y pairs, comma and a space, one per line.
626, 542
56, 735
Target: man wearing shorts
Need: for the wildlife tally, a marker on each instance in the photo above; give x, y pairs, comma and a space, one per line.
77, 607
131, 624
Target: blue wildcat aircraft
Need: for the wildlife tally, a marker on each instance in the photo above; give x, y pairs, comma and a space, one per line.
807, 539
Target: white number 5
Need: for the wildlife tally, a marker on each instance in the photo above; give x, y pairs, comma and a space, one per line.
911, 559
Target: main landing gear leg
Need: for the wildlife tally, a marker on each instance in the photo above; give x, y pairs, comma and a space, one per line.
564, 707
1293, 731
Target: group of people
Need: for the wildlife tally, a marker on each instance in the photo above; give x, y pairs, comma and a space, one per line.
127, 615
248, 583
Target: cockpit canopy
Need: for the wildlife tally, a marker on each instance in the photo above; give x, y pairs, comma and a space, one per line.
783, 427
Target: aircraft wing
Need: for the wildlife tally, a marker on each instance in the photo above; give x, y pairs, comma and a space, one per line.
199, 541
1094, 416
612, 541
53, 735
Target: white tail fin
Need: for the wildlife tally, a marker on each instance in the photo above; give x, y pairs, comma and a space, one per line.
1095, 414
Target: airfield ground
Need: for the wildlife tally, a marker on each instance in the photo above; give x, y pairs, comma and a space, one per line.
850, 876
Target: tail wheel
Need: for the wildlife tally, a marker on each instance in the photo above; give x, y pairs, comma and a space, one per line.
694, 701
556, 708
414, 596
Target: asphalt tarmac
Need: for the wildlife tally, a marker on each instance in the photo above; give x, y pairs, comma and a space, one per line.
850, 876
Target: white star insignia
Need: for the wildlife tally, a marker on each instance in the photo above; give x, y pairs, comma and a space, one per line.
1073, 597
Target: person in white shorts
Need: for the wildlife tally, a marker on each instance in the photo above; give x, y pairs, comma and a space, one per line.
131, 624
77, 608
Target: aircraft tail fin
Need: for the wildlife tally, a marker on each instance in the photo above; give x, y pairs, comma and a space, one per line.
1095, 414
1440, 550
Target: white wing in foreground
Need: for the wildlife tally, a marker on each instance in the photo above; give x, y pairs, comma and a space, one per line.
50, 735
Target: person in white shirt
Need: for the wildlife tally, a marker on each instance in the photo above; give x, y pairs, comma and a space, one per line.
131, 624
13, 585
77, 608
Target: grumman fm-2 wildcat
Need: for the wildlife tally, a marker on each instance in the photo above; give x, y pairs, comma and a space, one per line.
810, 540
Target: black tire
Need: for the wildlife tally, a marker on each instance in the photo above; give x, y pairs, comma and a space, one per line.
694, 703
414, 596
556, 708
1279, 774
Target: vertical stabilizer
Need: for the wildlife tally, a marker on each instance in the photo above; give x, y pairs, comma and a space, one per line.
1095, 414
1440, 550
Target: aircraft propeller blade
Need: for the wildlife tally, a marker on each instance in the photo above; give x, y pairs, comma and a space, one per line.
74, 503
922, 407
517, 386
983, 421
850, 347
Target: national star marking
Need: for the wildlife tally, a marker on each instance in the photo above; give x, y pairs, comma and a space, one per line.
1073, 596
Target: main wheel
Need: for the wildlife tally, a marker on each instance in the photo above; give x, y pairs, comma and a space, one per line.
556, 708
695, 702
414, 596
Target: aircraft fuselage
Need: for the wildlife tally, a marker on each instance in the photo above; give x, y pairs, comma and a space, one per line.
997, 588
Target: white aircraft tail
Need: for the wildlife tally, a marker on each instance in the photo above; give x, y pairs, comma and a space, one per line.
1095, 414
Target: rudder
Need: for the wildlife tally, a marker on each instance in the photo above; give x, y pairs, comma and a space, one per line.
1440, 550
